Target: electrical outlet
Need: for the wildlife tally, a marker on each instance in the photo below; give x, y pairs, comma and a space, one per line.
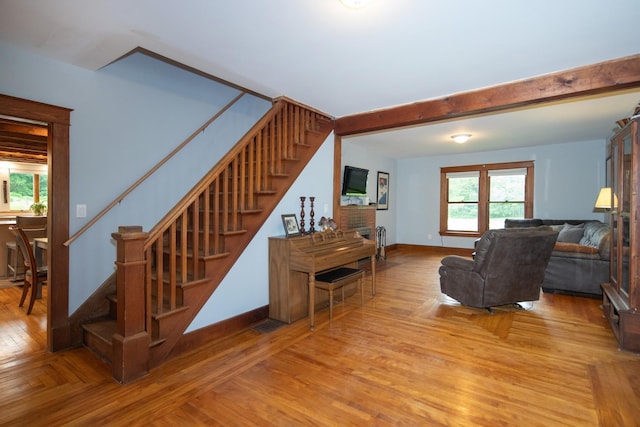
429, 237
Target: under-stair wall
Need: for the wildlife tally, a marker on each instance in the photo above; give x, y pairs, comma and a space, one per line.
134, 113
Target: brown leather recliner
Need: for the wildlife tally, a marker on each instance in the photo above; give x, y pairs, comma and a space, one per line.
508, 268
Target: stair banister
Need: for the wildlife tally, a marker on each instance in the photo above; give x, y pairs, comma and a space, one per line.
219, 167
126, 192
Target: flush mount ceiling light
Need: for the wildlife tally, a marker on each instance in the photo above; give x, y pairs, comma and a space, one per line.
461, 138
355, 4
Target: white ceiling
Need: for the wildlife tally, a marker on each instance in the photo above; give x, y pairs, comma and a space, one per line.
344, 61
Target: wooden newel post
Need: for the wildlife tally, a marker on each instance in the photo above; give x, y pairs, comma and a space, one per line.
131, 340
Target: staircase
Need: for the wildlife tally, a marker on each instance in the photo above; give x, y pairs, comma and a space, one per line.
166, 275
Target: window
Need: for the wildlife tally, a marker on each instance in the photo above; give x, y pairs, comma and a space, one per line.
476, 198
462, 207
22, 185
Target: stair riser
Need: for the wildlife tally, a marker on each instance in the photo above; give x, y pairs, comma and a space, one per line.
166, 262
98, 346
165, 326
113, 308
166, 292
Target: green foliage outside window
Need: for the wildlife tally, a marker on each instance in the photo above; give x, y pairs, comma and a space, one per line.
463, 189
463, 203
506, 194
21, 194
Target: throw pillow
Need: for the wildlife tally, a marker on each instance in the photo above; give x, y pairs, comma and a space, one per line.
571, 233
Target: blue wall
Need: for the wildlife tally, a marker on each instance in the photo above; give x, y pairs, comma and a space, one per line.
355, 155
567, 180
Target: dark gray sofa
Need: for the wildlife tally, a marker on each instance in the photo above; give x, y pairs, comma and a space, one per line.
579, 262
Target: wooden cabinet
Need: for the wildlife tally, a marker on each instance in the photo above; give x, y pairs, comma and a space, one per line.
621, 296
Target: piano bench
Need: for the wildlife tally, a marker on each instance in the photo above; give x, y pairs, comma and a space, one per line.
337, 279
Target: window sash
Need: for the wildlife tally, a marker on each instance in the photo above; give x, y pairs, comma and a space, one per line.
487, 217
502, 193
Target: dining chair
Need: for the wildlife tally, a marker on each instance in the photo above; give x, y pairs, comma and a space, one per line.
34, 276
14, 259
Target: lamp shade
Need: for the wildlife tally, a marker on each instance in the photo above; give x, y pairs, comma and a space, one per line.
604, 199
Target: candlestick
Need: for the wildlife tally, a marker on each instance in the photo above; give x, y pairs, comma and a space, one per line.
311, 214
302, 199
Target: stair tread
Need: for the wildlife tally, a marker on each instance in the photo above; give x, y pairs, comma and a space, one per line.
166, 278
250, 211
232, 232
217, 256
195, 282
103, 329
157, 342
169, 313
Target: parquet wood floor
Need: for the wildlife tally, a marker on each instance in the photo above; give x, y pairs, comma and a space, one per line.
411, 356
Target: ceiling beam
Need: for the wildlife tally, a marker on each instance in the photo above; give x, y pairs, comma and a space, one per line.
615, 75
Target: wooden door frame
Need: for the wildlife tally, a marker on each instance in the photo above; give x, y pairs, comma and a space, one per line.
58, 120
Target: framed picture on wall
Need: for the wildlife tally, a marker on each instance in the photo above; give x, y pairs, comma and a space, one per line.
290, 223
382, 199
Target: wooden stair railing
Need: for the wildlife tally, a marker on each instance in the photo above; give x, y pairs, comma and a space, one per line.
136, 184
188, 253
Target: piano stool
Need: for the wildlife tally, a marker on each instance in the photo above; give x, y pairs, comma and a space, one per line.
337, 279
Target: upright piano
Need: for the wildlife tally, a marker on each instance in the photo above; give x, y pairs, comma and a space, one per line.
294, 262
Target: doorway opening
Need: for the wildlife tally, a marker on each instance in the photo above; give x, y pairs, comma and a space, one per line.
57, 120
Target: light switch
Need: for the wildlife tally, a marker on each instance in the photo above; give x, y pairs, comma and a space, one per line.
81, 211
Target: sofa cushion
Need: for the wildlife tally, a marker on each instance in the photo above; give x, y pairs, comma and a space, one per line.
597, 234
575, 250
574, 247
571, 233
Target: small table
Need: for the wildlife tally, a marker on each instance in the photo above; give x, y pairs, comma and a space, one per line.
40, 246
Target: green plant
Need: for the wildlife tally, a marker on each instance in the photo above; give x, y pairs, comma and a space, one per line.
38, 209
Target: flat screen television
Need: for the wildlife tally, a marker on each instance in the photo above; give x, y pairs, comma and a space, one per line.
354, 181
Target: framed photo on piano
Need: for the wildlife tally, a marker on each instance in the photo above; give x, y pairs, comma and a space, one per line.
290, 223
